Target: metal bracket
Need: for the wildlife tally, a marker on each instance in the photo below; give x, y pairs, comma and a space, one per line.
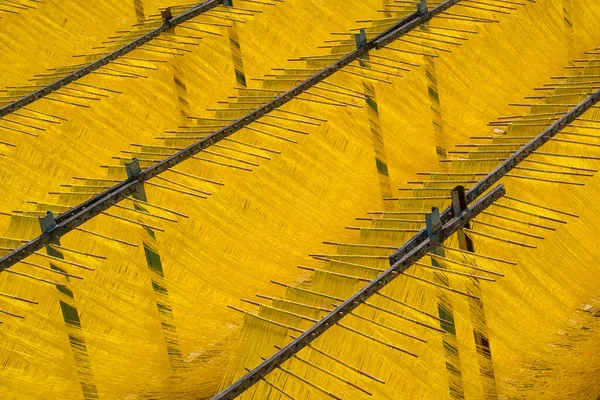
89, 68
166, 15
360, 39
361, 43
47, 222
433, 222
134, 170
422, 8
459, 204
459, 200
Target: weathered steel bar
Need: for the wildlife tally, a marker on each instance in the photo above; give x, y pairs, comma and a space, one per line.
81, 72
79, 214
506, 166
410, 257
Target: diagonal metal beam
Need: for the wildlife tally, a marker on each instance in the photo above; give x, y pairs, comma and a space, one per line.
173, 22
77, 215
397, 268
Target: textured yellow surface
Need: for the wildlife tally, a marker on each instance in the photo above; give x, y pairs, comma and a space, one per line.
263, 222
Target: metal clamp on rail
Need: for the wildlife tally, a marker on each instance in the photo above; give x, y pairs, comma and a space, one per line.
166, 15
360, 39
433, 222
133, 169
422, 8
47, 225
47, 222
459, 200
361, 45
459, 204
